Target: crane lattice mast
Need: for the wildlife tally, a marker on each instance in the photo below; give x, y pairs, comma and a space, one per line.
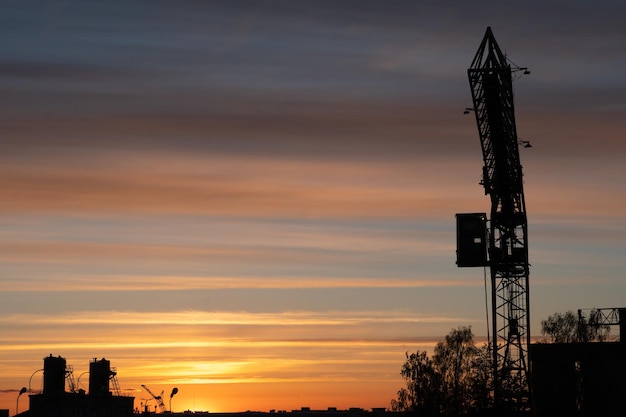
490, 77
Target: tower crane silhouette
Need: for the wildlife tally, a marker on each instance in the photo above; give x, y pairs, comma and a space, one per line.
503, 247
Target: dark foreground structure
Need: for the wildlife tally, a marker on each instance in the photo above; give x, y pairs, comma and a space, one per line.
55, 401
580, 379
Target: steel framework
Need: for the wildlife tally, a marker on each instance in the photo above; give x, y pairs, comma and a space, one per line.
490, 77
604, 317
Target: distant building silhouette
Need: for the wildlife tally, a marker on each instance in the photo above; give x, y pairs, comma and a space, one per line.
580, 379
55, 401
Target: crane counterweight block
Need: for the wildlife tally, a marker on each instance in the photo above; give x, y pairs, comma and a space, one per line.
471, 239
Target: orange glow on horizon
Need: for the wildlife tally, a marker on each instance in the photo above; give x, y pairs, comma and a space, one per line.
242, 397
307, 374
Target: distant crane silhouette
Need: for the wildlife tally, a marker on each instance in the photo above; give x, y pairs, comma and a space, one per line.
157, 398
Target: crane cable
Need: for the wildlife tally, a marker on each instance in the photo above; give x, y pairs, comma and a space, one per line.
486, 304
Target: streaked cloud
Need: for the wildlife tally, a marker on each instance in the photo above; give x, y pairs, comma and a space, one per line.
189, 318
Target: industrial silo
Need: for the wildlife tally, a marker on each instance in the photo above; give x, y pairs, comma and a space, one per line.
99, 374
53, 375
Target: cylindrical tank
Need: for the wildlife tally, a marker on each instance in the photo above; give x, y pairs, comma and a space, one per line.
99, 374
53, 375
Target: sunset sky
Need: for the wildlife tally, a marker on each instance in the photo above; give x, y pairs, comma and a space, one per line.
255, 201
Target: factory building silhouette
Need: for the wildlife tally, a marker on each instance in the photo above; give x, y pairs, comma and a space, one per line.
99, 401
